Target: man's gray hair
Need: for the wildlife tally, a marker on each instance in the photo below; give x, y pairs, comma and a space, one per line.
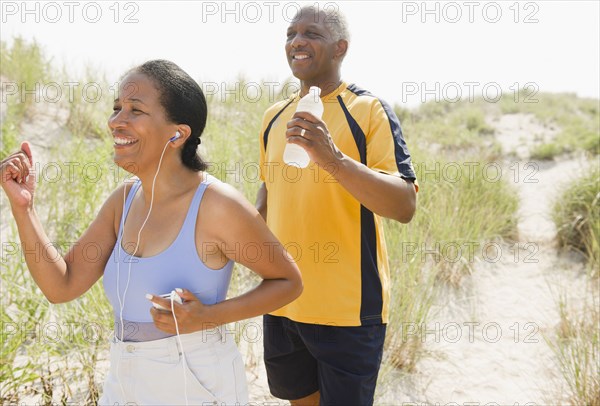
335, 21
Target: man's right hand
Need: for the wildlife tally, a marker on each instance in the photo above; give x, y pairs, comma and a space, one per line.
312, 134
17, 177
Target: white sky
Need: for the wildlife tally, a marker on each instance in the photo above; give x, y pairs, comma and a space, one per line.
396, 48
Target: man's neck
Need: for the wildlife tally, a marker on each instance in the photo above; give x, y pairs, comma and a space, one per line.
325, 86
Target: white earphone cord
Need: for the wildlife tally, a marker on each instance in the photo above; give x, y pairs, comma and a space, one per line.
183, 359
137, 245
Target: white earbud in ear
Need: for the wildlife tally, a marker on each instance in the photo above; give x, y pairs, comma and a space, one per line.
175, 137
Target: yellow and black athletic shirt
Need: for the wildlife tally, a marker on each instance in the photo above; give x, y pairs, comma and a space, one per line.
338, 244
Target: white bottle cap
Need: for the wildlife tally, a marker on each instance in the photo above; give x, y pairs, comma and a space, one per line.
315, 90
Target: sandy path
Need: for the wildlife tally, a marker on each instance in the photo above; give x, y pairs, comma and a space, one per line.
486, 341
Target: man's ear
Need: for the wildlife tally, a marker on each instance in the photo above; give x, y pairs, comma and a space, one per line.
342, 49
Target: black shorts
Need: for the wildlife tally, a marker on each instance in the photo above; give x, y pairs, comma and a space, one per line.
340, 362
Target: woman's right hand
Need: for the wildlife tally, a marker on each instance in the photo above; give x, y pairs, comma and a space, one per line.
17, 177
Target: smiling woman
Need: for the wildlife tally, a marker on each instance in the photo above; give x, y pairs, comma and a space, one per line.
173, 228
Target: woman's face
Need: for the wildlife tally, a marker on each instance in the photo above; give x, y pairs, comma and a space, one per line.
139, 124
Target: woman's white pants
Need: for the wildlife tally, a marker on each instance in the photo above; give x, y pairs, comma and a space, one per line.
152, 372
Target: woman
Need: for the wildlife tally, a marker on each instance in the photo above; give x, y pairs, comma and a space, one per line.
174, 228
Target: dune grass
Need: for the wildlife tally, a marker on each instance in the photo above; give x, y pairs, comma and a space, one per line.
577, 218
449, 127
575, 342
576, 346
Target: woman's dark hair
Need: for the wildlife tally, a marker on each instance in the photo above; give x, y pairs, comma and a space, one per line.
183, 101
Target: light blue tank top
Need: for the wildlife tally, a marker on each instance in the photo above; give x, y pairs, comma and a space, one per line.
178, 266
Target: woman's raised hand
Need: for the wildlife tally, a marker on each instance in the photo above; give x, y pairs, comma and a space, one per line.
17, 177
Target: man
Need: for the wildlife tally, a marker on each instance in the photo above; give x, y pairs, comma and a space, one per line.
326, 346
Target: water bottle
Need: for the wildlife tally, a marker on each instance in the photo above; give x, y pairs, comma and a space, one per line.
295, 155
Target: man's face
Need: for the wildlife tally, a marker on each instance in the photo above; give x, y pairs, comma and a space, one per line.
312, 52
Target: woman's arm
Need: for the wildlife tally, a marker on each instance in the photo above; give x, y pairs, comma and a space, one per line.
235, 225
61, 279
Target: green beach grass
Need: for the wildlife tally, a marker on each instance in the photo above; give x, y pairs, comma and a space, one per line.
577, 217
